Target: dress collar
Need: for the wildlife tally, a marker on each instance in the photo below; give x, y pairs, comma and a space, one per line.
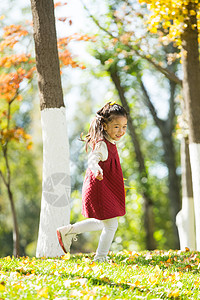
108, 138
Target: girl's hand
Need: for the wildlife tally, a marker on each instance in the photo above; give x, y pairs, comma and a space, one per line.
99, 176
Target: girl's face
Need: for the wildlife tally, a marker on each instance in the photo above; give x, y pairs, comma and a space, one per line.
116, 128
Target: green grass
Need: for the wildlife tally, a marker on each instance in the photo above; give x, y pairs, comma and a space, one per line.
128, 275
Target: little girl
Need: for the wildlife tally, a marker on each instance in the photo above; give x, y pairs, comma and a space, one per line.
103, 196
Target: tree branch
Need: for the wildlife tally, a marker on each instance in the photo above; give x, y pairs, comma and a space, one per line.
171, 114
4, 180
151, 107
170, 75
96, 21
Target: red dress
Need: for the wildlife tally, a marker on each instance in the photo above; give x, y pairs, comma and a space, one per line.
104, 199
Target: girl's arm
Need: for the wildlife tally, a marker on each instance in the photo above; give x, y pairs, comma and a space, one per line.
100, 153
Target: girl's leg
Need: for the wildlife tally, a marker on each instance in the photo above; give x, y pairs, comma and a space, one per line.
87, 225
68, 233
106, 238
108, 227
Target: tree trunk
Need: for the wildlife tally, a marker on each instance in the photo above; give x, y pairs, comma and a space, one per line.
186, 219
55, 204
16, 246
191, 91
145, 188
46, 52
7, 182
173, 183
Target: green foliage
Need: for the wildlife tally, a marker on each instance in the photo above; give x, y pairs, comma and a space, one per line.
26, 187
127, 275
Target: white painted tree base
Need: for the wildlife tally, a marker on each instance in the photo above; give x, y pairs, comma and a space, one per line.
55, 204
185, 221
194, 150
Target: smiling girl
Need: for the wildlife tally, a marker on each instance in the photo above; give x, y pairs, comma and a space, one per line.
103, 196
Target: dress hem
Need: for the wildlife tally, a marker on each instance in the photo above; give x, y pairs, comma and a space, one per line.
109, 217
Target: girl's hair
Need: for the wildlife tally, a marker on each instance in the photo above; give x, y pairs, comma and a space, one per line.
105, 115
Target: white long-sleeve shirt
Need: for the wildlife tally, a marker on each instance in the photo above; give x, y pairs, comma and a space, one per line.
100, 153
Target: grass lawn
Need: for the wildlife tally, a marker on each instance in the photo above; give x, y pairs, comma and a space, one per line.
128, 275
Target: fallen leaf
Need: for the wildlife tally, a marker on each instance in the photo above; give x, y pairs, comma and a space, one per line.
2, 287
43, 292
137, 283
66, 256
105, 298
174, 293
153, 279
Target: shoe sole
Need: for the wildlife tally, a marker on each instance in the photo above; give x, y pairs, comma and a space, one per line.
60, 241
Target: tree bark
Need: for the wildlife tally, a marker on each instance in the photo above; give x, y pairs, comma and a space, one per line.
7, 182
145, 188
185, 219
16, 246
191, 91
55, 204
47, 62
173, 183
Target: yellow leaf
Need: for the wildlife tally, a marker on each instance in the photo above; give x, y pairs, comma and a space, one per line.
92, 264
125, 251
174, 293
153, 30
19, 98
88, 297
8, 258
137, 283
192, 12
87, 270
29, 146
27, 136
153, 279
43, 292
2, 287
66, 256
109, 61
105, 298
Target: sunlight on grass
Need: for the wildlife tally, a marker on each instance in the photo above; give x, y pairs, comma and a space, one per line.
127, 275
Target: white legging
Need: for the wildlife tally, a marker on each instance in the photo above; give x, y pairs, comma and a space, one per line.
108, 228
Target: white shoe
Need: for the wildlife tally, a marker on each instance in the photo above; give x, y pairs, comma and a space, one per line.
100, 259
65, 237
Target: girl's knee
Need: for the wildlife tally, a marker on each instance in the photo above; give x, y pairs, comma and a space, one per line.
111, 224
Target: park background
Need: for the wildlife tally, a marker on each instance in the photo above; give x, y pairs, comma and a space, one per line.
100, 69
